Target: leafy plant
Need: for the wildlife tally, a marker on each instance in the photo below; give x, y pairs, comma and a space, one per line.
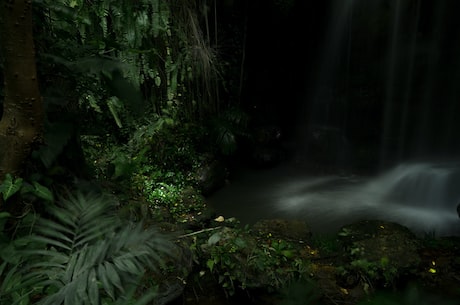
238, 261
180, 201
326, 244
83, 254
11, 186
380, 272
228, 128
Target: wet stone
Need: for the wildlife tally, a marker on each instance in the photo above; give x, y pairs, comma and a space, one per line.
296, 230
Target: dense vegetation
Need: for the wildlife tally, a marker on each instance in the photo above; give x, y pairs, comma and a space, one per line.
137, 98
132, 113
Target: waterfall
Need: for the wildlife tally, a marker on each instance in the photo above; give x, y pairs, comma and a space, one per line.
377, 92
432, 186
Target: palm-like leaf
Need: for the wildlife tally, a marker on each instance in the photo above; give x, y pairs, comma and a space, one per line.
84, 253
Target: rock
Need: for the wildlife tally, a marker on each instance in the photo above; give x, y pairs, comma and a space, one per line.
378, 252
265, 149
294, 230
265, 157
211, 176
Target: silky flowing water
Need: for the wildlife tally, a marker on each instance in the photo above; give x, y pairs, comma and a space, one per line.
421, 196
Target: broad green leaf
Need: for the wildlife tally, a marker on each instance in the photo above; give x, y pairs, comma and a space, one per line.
10, 186
214, 238
55, 298
127, 265
56, 230
49, 241
82, 287
68, 275
11, 279
2, 267
210, 264
106, 283
113, 275
115, 106
70, 292
93, 289
8, 253
240, 242
42, 192
158, 81
3, 219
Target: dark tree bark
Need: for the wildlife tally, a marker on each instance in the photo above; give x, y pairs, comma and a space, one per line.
21, 126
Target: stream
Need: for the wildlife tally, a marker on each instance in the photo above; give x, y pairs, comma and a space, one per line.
422, 196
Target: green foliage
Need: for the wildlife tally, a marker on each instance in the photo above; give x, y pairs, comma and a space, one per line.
127, 60
174, 149
180, 205
4, 239
157, 163
11, 186
326, 244
157, 146
138, 80
237, 260
382, 273
82, 254
228, 128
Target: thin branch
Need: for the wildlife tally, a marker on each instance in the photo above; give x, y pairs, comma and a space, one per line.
199, 232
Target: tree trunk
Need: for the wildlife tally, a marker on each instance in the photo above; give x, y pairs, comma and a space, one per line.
21, 126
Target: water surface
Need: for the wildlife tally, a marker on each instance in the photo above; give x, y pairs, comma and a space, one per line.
421, 196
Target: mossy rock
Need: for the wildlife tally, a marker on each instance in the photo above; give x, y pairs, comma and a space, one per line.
379, 252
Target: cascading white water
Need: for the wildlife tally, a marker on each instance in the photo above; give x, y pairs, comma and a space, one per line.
421, 196
421, 185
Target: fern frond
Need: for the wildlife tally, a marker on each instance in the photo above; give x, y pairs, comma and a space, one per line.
83, 251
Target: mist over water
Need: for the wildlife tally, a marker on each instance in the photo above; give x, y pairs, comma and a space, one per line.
375, 87
421, 196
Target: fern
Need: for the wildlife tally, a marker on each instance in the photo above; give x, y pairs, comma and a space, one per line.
84, 254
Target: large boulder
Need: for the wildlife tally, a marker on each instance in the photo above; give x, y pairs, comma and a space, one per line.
377, 254
265, 149
211, 176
